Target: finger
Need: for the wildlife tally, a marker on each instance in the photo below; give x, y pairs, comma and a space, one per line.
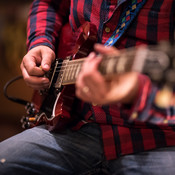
89, 78
30, 64
81, 92
48, 56
37, 83
90, 57
105, 49
97, 87
91, 63
83, 95
33, 81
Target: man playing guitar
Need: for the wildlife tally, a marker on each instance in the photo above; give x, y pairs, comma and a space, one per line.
121, 129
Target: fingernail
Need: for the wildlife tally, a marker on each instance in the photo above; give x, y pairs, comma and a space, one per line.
46, 66
45, 81
92, 54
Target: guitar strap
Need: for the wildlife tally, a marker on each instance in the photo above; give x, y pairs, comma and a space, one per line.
125, 20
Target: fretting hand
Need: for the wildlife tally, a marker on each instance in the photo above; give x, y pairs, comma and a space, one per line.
92, 87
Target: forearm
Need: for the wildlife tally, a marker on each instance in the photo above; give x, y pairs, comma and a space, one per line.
45, 20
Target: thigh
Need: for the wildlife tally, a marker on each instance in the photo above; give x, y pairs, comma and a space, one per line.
37, 151
157, 162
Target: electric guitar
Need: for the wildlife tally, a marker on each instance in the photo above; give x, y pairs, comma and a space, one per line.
54, 106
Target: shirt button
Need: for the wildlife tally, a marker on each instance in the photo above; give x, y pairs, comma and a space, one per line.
94, 104
107, 29
134, 115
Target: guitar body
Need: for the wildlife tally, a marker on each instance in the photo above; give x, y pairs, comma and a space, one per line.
54, 107
60, 104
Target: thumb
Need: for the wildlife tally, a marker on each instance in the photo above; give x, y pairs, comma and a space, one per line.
48, 56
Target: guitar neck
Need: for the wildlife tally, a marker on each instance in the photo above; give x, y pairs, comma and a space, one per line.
71, 69
109, 66
141, 60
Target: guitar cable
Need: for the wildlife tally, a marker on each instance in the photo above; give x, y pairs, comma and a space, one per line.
11, 98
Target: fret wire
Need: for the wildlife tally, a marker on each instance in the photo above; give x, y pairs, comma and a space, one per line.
74, 63
73, 72
69, 72
106, 58
68, 67
77, 61
69, 63
72, 69
70, 76
76, 68
63, 64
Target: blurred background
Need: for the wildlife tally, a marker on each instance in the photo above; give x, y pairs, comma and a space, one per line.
13, 20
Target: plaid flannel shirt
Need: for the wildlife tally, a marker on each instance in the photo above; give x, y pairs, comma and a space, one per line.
155, 22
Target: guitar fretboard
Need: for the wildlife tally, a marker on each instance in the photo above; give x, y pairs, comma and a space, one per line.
71, 70
109, 66
138, 60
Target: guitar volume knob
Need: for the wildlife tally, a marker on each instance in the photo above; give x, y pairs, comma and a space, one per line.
26, 125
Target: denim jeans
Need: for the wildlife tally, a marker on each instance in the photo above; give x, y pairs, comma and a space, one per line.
37, 151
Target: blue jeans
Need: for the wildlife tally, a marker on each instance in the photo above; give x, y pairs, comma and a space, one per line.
38, 152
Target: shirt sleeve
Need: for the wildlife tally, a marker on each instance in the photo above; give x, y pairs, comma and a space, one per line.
147, 106
45, 20
153, 105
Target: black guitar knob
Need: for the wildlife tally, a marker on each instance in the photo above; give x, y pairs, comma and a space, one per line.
24, 119
26, 125
30, 109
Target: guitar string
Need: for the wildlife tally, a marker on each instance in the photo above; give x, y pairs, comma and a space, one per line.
70, 64
71, 70
64, 66
70, 67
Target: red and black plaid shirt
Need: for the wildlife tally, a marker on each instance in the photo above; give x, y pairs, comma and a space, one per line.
155, 22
